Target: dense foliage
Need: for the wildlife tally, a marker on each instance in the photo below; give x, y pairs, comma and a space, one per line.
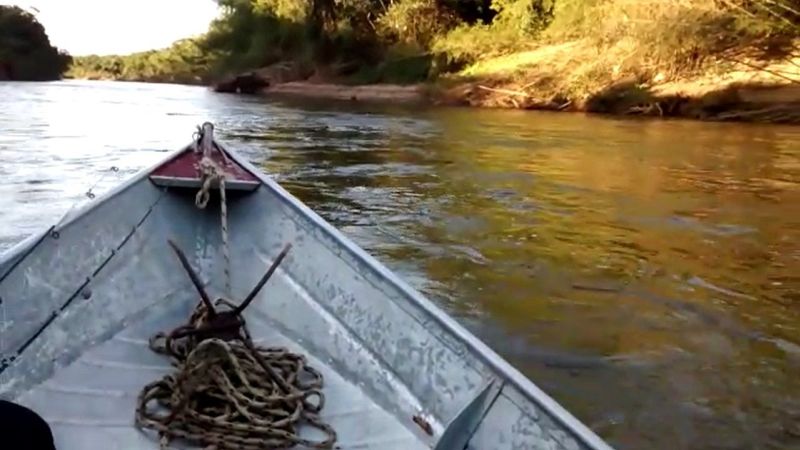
25, 50
410, 40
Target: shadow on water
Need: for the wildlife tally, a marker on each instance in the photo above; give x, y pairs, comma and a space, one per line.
645, 274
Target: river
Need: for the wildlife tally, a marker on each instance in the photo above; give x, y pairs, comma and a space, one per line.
644, 273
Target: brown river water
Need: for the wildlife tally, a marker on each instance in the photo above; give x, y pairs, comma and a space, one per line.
646, 274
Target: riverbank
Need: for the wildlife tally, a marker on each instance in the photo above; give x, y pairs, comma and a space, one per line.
567, 77
550, 78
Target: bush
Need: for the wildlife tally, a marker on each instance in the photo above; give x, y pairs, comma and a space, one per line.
466, 44
415, 22
525, 18
677, 34
408, 70
515, 26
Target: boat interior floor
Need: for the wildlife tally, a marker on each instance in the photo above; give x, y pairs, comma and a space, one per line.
91, 402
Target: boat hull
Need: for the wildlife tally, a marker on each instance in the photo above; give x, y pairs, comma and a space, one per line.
409, 376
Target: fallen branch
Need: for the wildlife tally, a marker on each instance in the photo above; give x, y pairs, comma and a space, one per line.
764, 69
564, 106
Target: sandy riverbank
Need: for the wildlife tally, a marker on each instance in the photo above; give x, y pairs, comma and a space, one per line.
696, 100
370, 93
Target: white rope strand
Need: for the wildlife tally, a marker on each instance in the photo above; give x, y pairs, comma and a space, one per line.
210, 172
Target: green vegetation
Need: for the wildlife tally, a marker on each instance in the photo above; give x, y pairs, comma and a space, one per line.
25, 50
186, 61
413, 40
610, 55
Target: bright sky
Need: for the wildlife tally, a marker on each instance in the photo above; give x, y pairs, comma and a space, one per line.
102, 27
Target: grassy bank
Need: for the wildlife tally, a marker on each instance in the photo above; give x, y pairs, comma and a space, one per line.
659, 57
578, 76
689, 58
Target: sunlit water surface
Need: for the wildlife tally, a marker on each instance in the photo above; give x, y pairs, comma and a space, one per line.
646, 274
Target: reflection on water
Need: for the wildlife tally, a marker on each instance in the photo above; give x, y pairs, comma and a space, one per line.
646, 274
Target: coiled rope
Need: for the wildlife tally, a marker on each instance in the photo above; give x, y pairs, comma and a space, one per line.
227, 393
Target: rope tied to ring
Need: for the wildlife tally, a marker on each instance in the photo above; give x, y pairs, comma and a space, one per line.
211, 172
227, 393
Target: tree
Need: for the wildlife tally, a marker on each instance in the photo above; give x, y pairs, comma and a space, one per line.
25, 50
